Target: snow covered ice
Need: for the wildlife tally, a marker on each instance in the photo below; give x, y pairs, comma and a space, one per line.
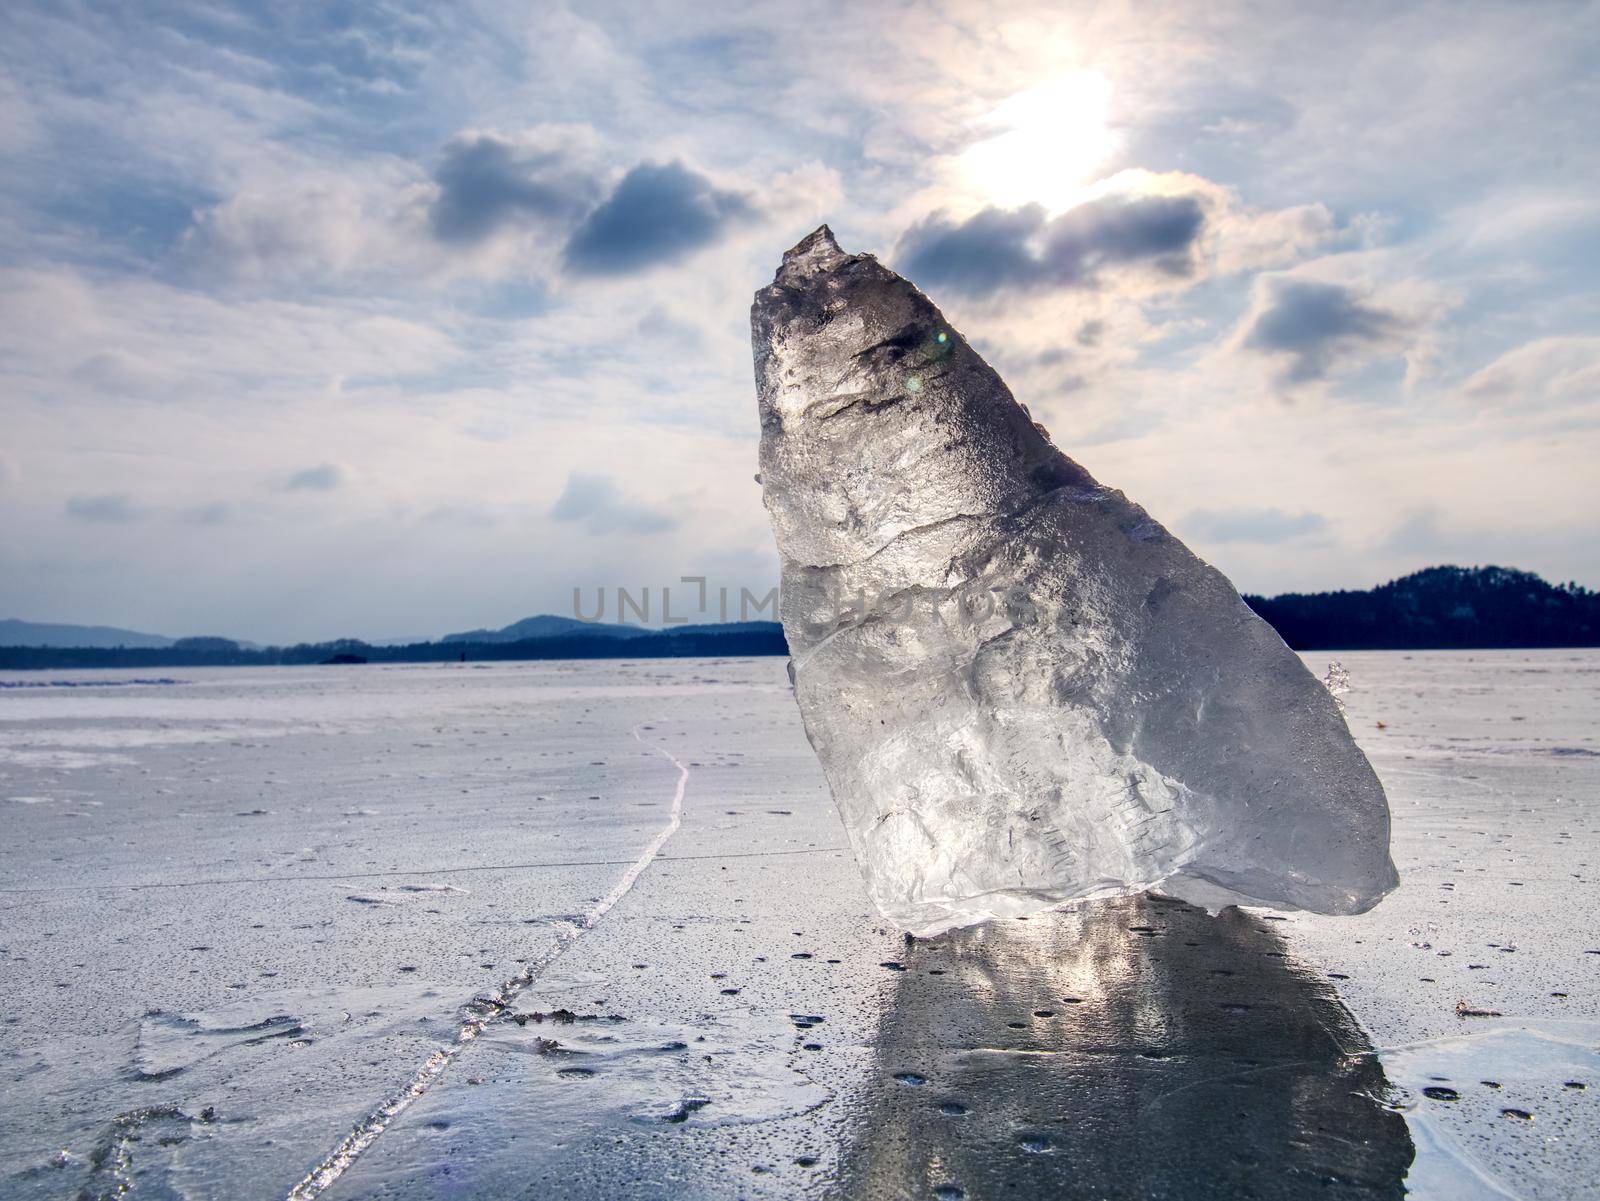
1023, 690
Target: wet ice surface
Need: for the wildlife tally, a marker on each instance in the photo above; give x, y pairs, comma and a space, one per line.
1492, 764
242, 912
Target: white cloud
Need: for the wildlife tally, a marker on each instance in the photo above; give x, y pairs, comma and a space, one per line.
595, 502
1267, 525
1551, 373
310, 227
1249, 240
65, 331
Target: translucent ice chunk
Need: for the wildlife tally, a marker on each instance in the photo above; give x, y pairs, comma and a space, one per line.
1337, 682
1023, 690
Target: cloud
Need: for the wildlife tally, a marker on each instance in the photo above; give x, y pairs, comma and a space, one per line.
1314, 324
324, 477
1252, 525
111, 508
116, 372
657, 214
487, 181
596, 502
1420, 533
467, 515
661, 325
312, 225
213, 513
1253, 241
1024, 249
1557, 373
191, 346
19, 125
1426, 534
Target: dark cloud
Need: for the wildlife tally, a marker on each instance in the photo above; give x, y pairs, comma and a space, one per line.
1312, 323
998, 249
324, 477
1252, 525
112, 508
596, 502
657, 214
487, 181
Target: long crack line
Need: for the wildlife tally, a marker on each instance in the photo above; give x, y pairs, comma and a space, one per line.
484, 1011
408, 873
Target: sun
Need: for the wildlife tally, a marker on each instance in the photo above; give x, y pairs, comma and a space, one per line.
1045, 144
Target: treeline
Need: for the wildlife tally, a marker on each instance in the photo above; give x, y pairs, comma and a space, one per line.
1439, 608
220, 652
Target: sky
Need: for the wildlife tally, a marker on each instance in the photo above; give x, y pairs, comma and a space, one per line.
390, 319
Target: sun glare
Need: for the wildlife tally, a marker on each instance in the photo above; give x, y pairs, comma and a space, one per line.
1045, 145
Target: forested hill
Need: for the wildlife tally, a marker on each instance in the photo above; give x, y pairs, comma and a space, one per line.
1439, 607
685, 642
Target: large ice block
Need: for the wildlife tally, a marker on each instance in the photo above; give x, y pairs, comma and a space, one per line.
1024, 691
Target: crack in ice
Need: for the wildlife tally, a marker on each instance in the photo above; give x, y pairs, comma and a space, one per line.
438, 871
483, 1011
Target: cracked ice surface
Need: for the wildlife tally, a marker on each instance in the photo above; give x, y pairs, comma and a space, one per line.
1024, 691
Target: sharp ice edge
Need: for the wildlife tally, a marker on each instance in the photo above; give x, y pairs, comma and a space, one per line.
1122, 722
485, 1010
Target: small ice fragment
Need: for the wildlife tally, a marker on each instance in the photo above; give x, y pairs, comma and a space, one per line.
1024, 691
1337, 682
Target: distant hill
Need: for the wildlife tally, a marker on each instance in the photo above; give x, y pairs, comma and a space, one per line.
708, 642
14, 632
1439, 608
546, 626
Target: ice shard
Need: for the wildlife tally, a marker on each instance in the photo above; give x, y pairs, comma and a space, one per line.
1023, 690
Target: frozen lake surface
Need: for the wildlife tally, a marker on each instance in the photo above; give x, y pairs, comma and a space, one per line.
590, 929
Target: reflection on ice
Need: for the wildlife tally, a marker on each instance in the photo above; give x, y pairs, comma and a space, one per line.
1132, 1048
